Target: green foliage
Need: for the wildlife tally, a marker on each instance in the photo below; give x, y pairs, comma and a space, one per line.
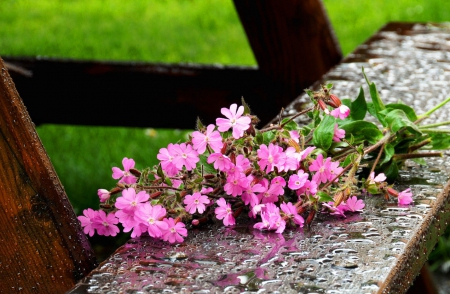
323, 135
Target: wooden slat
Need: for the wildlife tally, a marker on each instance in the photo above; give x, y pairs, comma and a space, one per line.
136, 94
292, 41
43, 249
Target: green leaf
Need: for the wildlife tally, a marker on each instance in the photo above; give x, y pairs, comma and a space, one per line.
324, 197
323, 135
440, 141
310, 93
246, 107
259, 137
389, 151
268, 137
290, 126
329, 86
377, 104
168, 181
362, 130
358, 107
410, 113
207, 168
160, 172
390, 169
397, 119
200, 126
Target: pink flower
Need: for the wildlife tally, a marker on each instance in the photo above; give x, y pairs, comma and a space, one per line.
405, 197
292, 159
341, 112
87, 221
339, 210
124, 175
335, 170
196, 202
106, 224
378, 179
296, 181
166, 156
321, 168
211, 138
223, 211
152, 217
221, 162
174, 231
236, 184
234, 120
103, 194
185, 156
291, 212
294, 136
271, 219
306, 152
129, 222
130, 201
271, 156
249, 196
309, 188
277, 185
353, 204
338, 134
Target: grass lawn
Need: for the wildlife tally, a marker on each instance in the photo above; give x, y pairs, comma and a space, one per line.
206, 31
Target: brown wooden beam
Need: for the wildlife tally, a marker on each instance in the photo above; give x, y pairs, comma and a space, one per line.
293, 42
43, 249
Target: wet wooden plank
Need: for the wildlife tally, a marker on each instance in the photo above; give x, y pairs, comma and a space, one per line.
379, 251
43, 249
292, 41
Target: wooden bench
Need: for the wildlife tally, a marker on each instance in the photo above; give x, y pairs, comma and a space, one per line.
44, 249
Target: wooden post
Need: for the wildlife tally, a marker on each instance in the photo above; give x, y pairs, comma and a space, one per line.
293, 43
43, 249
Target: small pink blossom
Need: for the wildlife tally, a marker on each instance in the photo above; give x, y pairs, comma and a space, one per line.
196, 202
152, 217
294, 136
271, 219
221, 162
166, 156
405, 197
296, 181
223, 211
236, 184
106, 224
130, 201
378, 179
185, 156
174, 231
309, 188
270, 156
211, 138
124, 175
234, 120
335, 170
87, 220
321, 168
292, 159
103, 194
353, 204
249, 195
291, 212
306, 152
339, 210
341, 112
338, 134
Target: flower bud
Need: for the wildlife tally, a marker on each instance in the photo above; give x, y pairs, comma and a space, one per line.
135, 172
392, 192
103, 194
155, 195
209, 176
334, 101
115, 190
195, 222
310, 217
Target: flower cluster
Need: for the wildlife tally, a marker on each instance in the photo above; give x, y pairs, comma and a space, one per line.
276, 175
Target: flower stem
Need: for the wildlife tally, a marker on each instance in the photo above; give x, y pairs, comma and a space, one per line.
417, 155
444, 123
436, 131
435, 108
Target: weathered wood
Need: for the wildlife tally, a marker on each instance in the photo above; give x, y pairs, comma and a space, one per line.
378, 251
156, 95
292, 41
43, 249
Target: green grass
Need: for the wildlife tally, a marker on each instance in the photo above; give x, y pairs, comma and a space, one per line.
202, 31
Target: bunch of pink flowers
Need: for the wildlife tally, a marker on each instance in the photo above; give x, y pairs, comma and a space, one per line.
225, 169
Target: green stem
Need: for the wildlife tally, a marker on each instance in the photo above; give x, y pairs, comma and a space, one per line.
444, 123
435, 108
436, 131
416, 155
